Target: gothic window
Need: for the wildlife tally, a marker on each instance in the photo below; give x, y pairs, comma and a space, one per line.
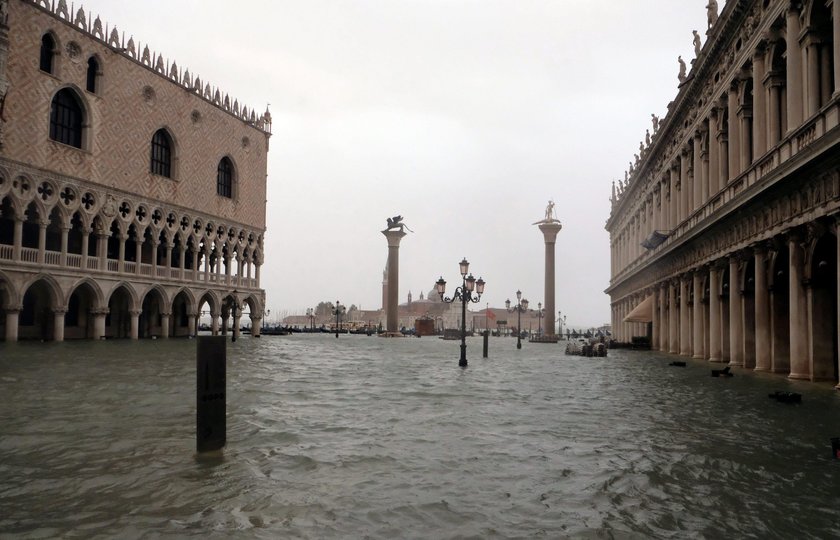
161, 159
224, 178
66, 118
47, 53
92, 74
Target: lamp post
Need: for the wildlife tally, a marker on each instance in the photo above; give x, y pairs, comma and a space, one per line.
521, 305
540, 314
339, 309
469, 291
562, 320
311, 314
265, 319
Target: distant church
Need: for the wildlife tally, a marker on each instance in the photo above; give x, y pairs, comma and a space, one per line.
132, 192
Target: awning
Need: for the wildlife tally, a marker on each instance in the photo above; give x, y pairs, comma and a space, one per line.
655, 239
642, 313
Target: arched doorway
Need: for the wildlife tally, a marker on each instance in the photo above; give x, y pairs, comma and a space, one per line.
37, 316
179, 323
205, 311
822, 303
150, 317
78, 321
118, 320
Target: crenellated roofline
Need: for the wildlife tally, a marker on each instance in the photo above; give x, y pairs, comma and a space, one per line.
153, 61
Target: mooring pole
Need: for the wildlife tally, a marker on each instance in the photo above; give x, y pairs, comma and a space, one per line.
211, 366
486, 334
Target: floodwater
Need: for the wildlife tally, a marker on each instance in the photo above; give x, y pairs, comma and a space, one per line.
362, 437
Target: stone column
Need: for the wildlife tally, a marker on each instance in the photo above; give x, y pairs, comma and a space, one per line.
85, 249
549, 230
256, 324
673, 324
168, 259
42, 240
734, 133
736, 329
835, 16
673, 198
794, 68
182, 261
65, 232
58, 324
744, 128
697, 191
12, 317
164, 324
196, 256
759, 103
773, 84
714, 154
214, 322
237, 322
135, 323
655, 327
257, 266
392, 326
138, 255
762, 312
799, 368
18, 239
99, 322
663, 316
102, 251
723, 154
192, 324
684, 209
207, 267
121, 258
714, 315
812, 66
697, 345
685, 329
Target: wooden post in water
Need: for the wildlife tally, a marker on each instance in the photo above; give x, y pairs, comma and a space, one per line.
486, 335
211, 366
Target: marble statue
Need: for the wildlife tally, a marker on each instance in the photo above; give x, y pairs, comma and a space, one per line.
647, 137
681, 75
396, 222
549, 211
712, 12
697, 45
655, 121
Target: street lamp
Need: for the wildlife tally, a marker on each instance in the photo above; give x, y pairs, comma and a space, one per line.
521, 305
311, 314
562, 320
265, 318
469, 291
338, 310
540, 314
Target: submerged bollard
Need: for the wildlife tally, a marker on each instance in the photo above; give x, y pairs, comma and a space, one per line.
486, 342
210, 426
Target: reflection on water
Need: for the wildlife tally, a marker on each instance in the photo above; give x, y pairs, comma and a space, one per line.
368, 437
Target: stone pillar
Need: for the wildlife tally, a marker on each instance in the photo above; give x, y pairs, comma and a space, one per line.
138, 255
736, 329
192, 324
685, 329
257, 266
135, 323
18, 239
714, 315
762, 312
673, 198
549, 230
214, 322
734, 133
164, 324
227, 269
656, 325
684, 209
714, 154
835, 17
794, 68
723, 154
102, 250
12, 317
697, 191
773, 84
65, 232
207, 267
196, 255
393, 237
99, 322
663, 316
744, 130
697, 345
799, 368
256, 325
168, 258
58, 324
759, 103
182, 261
121, 257
42, 240
812, 66
85, 249
673, 324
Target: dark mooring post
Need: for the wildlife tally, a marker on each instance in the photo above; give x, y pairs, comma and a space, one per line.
486, 334
211, 366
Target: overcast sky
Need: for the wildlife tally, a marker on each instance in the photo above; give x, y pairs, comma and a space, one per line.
464, 116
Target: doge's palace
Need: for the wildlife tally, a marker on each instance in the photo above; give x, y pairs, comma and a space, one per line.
132, 192
724, 232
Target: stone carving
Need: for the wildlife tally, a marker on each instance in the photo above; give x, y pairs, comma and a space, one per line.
681, 76
647, 137
80, 19
396, 222
549, 211
712, 12
114, 40
109, 209
4, 12
697, 45
61, 10
655, 121
97, 28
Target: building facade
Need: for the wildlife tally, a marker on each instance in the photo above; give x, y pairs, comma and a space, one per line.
724, 234
132, 193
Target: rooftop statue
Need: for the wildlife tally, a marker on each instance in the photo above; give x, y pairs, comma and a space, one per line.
712, 12
655, 121
647, 137
681, 75
396, 222
697, 45
549, 211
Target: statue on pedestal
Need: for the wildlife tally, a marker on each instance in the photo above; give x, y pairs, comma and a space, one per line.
655, 121
697, 45
681, 76
396, 222
647, 137
549, 211
712, 12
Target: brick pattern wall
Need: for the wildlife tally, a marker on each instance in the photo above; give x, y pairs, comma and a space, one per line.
131, 103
